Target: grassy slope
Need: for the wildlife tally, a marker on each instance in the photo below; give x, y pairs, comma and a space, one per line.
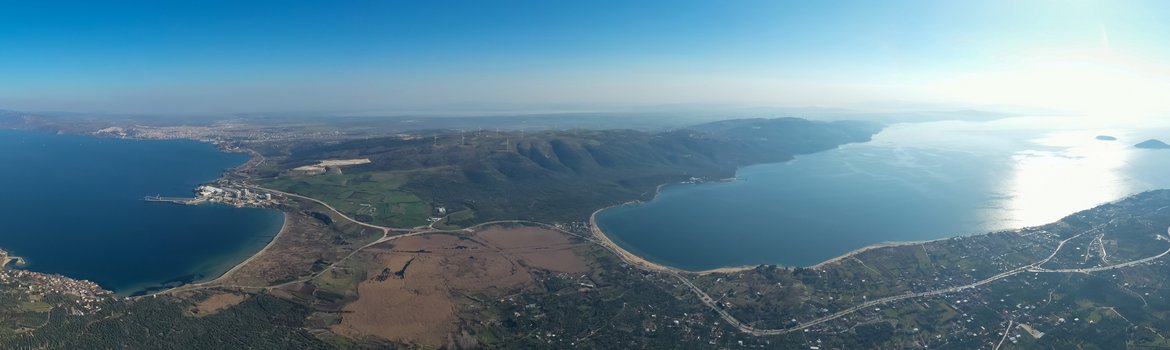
373, 197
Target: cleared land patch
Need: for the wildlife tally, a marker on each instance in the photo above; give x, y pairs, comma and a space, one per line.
537, 247
218, 302
413, 291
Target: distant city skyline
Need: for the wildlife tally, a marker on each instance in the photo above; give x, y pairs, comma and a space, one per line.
1102, 58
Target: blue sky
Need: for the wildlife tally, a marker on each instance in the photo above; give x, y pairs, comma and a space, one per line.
240, 56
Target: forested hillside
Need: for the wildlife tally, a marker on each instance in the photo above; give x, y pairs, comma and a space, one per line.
566, 174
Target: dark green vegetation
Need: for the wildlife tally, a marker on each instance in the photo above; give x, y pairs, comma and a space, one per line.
553, 176
19, 312
261, 322
1152, 144
624, 307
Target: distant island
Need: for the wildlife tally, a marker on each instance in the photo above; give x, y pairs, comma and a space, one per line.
498, 225
1152, 144
1106, 138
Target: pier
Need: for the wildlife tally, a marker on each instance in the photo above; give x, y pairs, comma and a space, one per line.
176, 200
235, 194
6, 259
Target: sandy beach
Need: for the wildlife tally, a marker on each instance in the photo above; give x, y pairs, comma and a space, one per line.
637, 260
283, 228
624, 254
634, 259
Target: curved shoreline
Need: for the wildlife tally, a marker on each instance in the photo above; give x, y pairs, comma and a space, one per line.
635, 259
632, 258
11, 260
254, 159
283, 228
639, 260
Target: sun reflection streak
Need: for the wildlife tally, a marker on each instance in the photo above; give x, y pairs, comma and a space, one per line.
1065, 173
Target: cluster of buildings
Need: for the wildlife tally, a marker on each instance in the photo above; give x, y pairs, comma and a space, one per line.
239, 197
580, 228
653, 320
35, 284
217, 132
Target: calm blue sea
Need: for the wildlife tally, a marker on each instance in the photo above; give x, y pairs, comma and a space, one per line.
912, 182
72, 205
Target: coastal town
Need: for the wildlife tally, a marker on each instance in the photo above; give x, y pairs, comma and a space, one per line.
38, 285
35, 286
218, 133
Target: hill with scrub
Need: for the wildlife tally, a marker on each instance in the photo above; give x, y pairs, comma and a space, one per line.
551, 175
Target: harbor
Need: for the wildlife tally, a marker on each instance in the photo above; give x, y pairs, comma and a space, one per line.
235, 194
6, 259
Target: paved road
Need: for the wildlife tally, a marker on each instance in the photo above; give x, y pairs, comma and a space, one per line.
386, 236
385, 230
1104, 268
706, 299
1034, 267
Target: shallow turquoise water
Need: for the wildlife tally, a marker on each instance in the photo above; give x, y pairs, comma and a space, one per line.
913, 182
72, 205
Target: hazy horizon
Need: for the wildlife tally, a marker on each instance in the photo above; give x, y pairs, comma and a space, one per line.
1099, 58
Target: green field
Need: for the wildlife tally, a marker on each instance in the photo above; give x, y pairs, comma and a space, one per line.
369, 197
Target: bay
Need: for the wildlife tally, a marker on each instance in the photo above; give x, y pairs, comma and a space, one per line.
913, 182
72, 205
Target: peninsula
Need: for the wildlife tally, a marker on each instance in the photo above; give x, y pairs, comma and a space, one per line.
484, 239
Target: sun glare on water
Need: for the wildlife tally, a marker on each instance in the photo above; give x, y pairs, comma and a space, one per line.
1067, 172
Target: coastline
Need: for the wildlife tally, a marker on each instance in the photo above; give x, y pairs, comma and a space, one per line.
643, 263
199, 267
6, 260
283, 228
625, 255
870, 247
254, 159
226, 274
634, 259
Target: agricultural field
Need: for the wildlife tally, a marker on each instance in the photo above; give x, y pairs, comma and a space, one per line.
373, 197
